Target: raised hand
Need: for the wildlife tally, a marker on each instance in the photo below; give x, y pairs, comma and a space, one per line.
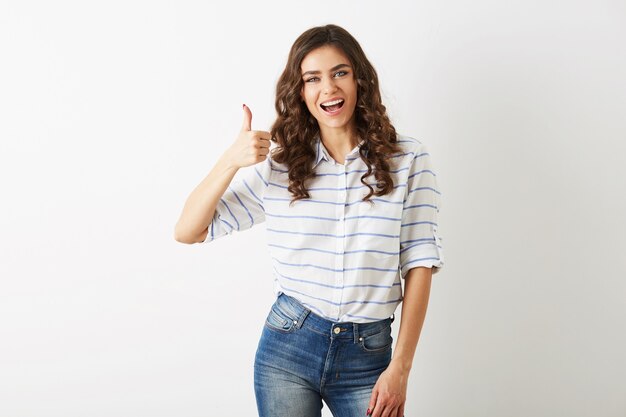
251, 146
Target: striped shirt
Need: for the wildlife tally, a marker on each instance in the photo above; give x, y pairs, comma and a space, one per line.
336, 254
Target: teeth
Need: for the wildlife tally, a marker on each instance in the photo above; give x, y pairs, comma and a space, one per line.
332, 103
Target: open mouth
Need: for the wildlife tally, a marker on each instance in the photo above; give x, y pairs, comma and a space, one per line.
334, 106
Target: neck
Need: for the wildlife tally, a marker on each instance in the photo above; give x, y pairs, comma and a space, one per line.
338, 141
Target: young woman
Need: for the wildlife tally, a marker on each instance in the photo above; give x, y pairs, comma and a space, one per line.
351, 209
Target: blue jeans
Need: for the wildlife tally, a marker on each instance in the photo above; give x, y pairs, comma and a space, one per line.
303, 358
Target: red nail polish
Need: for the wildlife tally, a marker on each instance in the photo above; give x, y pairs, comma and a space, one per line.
368, 412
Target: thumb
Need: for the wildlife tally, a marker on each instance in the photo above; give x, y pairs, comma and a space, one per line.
247, 118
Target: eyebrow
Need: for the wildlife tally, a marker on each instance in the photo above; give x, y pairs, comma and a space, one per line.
336, 67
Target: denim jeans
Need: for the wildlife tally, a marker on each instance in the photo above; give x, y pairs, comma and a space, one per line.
303, 358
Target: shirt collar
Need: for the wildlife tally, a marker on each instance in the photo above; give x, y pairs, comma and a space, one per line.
322, 153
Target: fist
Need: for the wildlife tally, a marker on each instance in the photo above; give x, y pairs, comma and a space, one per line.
251, 146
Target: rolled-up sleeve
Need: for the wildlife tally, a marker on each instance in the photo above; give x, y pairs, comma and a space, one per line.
241, 206
420, 242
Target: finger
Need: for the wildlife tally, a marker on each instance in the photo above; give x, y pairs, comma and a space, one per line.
262, 134
388, 411
401, 411
378, 410
247, 118
265, 143
372, 403
395, 412
262, 143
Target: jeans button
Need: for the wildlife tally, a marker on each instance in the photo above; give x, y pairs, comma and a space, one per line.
337, 330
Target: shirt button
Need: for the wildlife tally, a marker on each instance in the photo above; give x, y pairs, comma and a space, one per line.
337, 330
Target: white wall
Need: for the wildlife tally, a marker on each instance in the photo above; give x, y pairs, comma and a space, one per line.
112, 112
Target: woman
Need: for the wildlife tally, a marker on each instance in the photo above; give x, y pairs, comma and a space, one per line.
351, 209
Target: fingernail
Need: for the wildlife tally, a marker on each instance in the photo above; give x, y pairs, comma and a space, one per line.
368, 412
244, 106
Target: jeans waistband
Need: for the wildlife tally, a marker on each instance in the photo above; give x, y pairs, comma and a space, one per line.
299, 313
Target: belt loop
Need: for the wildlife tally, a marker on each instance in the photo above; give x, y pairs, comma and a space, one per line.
355, 327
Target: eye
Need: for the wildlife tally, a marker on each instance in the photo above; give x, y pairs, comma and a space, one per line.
338, 72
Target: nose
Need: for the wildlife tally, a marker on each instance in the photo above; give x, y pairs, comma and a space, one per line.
329, 85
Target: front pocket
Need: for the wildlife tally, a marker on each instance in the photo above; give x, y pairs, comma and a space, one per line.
279, 321
377, 342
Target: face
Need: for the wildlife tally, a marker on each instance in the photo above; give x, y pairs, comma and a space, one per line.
327, 76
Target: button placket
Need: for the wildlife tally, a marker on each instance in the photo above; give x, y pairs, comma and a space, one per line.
341, 231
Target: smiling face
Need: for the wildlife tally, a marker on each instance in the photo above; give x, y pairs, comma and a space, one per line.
328, 76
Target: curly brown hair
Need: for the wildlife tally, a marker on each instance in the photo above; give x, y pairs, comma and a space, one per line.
295, 129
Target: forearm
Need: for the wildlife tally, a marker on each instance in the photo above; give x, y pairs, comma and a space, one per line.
414, 306
202, 202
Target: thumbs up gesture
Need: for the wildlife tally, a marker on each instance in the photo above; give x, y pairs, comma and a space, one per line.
251, 146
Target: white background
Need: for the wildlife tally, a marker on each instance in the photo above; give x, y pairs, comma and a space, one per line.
112, 112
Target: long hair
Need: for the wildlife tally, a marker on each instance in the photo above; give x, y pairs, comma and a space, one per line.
295, 129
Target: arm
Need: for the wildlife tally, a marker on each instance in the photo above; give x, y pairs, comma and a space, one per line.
250, 147
414, 306
421, 256
199, 209
390, 389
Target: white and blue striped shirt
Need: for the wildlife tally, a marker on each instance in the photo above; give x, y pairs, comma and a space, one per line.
333, 252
